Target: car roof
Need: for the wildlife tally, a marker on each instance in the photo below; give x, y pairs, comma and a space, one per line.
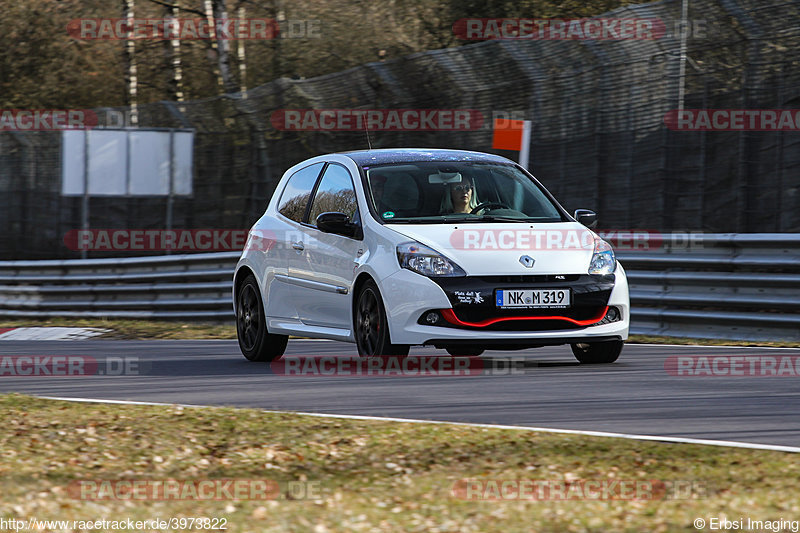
409, 155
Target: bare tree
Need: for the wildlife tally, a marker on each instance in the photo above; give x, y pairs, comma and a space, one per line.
132, 77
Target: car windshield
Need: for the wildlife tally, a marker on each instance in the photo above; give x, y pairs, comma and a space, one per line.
447, 191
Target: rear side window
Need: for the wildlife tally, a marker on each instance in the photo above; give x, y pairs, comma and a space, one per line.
298, 191
335, 193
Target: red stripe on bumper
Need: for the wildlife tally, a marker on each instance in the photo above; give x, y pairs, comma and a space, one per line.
451, 317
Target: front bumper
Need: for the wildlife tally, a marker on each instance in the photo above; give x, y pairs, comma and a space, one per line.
471, 316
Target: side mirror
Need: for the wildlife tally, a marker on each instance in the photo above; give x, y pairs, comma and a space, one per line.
586, 217
335, 222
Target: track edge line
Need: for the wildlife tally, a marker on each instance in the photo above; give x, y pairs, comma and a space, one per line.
588, 433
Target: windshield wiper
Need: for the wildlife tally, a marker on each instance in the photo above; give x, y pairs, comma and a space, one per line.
455, 219
498, 218
414, 220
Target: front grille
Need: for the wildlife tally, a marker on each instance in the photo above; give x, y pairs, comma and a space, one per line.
529, 325
473, 300
577, 312
516, 325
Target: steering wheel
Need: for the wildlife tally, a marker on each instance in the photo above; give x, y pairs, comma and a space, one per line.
485, 205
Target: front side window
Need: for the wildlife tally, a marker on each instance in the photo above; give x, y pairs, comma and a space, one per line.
449, 191
294, 199
334, 194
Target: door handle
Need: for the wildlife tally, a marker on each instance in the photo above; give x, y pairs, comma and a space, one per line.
298, 246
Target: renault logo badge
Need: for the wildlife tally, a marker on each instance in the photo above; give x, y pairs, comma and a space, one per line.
527, 261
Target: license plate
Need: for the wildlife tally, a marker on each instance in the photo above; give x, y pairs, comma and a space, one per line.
533, 298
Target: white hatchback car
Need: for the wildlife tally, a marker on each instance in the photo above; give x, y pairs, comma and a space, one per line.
463, 251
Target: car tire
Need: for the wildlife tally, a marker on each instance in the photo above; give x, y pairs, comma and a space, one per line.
255, 342
370, 326
597, 353
465, 351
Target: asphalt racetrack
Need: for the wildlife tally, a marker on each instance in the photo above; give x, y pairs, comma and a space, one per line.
544, 387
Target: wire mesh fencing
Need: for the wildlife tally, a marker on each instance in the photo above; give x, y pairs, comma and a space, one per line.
600, 139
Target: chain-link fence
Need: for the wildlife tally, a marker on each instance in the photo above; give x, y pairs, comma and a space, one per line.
599, 135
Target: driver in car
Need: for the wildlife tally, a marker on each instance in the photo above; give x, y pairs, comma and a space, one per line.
459, 197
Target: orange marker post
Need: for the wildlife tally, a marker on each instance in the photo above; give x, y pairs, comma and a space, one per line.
513, 135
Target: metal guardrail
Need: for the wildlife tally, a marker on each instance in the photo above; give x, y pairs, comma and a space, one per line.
188, 287
734, 286
729, 286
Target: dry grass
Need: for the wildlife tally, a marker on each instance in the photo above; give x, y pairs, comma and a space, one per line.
368, 475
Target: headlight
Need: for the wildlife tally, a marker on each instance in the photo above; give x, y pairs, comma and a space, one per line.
603, 260
423, 260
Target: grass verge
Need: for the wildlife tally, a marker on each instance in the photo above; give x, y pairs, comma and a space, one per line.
365, 475
136, 329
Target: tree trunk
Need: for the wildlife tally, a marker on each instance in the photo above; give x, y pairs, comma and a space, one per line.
229, 85
129, 60
172, 54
